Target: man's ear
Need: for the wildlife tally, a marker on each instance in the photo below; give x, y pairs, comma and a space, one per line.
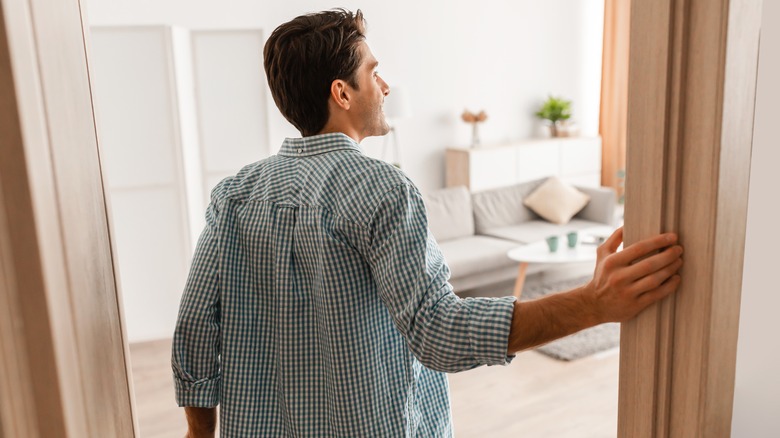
340, 93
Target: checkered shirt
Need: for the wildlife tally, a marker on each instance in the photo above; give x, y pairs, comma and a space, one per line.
318, 303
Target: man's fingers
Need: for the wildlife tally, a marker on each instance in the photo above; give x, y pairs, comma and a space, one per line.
613, 242
660, 292
656, 279
644, 247
652, 264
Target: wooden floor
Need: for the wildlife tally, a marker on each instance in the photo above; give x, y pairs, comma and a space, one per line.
158, 415
537, 396
533, 397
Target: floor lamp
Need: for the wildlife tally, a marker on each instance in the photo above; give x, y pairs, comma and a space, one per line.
396, 107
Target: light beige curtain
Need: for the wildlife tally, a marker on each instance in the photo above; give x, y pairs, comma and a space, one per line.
614, 92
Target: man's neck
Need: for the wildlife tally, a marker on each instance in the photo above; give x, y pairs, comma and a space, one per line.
348, 131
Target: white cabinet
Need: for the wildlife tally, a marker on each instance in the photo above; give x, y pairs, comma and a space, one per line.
576, 160
499, 163
580, 157
534, 160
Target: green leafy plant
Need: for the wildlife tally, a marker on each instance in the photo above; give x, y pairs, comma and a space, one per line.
555, 109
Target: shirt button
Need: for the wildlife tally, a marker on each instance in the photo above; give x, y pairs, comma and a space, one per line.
300, 150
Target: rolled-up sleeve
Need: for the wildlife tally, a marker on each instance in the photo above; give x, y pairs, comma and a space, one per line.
196, 341
445, 332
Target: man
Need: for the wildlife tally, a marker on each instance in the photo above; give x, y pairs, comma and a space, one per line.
318, 302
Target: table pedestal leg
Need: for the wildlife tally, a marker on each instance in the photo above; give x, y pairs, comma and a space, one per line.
520, 279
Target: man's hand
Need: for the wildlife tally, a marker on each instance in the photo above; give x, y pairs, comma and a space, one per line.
626, 282
623, 284
201, 422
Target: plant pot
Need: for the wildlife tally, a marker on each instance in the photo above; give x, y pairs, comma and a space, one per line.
560, 129
556, 129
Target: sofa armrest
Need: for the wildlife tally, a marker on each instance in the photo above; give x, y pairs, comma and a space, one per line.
601, 207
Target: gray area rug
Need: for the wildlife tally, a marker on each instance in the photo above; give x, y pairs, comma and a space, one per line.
584, 343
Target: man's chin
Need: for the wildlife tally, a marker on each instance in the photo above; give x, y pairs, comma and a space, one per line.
385, 129
380, 131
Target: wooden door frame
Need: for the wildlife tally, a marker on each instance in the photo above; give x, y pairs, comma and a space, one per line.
692, 79
63, 349
692, 87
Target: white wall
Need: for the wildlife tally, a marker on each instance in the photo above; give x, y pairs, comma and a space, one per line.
757, 391
498, 55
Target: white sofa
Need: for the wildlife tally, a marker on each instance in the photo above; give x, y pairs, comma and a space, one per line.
475, 231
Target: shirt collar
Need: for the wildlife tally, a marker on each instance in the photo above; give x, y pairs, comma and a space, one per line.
317, 144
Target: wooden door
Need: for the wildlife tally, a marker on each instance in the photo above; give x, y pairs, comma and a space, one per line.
692, 72
64, 367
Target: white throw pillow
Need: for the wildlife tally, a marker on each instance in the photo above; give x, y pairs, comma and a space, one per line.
556, 201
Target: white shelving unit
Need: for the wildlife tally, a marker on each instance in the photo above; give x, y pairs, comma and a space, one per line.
576, 160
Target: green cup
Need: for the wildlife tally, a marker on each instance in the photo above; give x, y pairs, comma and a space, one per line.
572, 239
552, 243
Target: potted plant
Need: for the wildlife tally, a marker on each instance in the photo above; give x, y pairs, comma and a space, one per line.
555, 110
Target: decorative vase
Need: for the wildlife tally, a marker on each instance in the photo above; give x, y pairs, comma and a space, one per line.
474, 119
475, 134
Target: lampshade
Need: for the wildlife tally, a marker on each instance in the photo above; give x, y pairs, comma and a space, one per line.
397, 104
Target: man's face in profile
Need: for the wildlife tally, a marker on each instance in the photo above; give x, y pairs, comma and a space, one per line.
368, 116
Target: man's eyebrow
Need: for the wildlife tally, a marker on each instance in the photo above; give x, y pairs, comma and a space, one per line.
374, 64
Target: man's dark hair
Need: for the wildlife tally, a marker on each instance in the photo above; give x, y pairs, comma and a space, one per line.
302, 59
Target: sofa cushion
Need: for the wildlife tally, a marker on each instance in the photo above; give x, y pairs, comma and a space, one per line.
449, 213
534, 231
556, 201
472, 255
503, 206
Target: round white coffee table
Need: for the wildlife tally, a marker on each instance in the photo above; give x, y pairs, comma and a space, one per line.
538, 252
